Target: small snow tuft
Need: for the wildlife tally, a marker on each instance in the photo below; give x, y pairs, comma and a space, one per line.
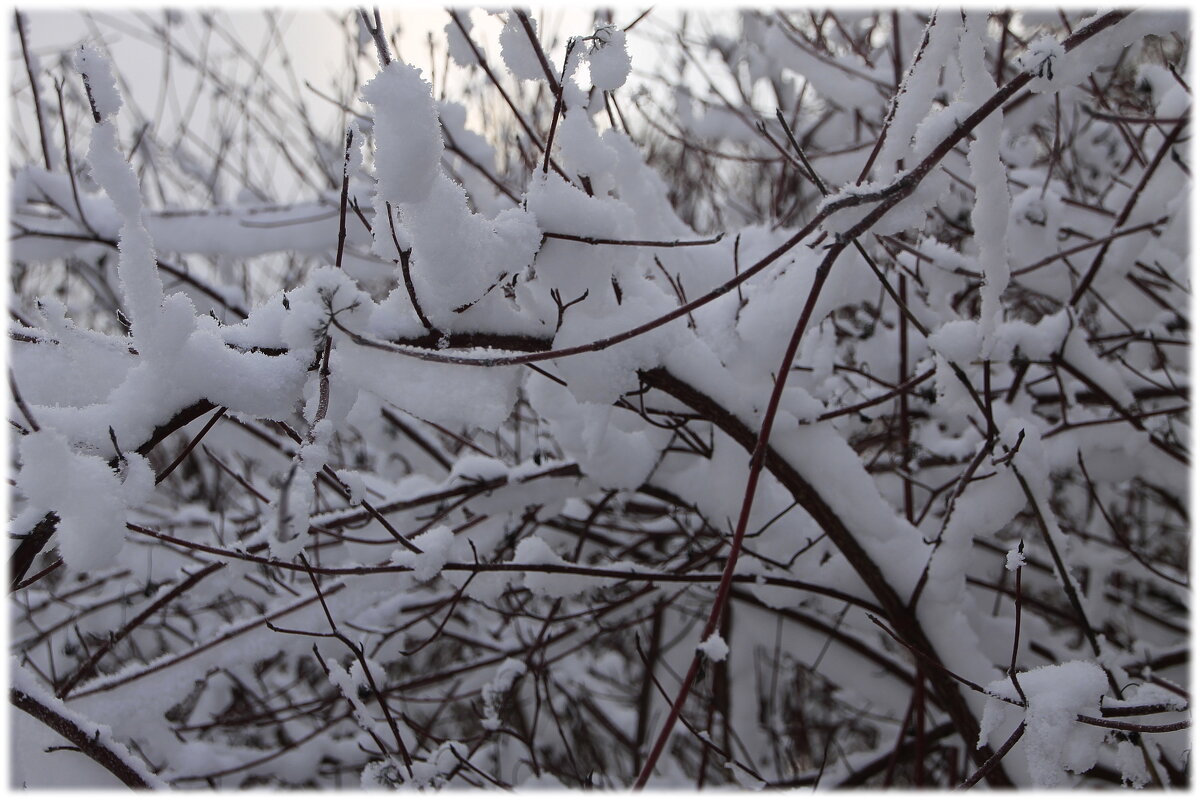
517, 51
714, 648
1014, 560
608, 59
435, 545
1132, 764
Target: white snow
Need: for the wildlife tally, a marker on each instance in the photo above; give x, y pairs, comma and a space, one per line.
585, 441
84, 492
517, 51
914, 101
436, 544
990, 216
457, 256
70, 774
1079, 354
1132, 764
1014, 560
608, 59
97, 70
1054, 742
611, 447
507, 675
1045, 53
408, 140
458, 44
714, 648
958, 341
533, 550
140, 282
583, 152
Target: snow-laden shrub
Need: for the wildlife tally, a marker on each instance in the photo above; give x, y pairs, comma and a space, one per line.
765, 399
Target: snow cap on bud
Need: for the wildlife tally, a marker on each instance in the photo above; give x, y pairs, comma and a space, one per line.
97, 74
354, 160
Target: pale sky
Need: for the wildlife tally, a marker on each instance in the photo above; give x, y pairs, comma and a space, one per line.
313, 37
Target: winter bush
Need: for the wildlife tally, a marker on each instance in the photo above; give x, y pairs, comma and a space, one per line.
757, 399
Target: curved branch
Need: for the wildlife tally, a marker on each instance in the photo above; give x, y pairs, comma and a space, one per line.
902, 620
91, 745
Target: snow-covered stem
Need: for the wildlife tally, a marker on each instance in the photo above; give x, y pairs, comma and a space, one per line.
758, 458
120, 764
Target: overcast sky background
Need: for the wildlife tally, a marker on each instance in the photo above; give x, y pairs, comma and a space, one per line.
313, 37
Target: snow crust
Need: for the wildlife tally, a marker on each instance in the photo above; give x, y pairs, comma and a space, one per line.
1040, 59
989, 218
